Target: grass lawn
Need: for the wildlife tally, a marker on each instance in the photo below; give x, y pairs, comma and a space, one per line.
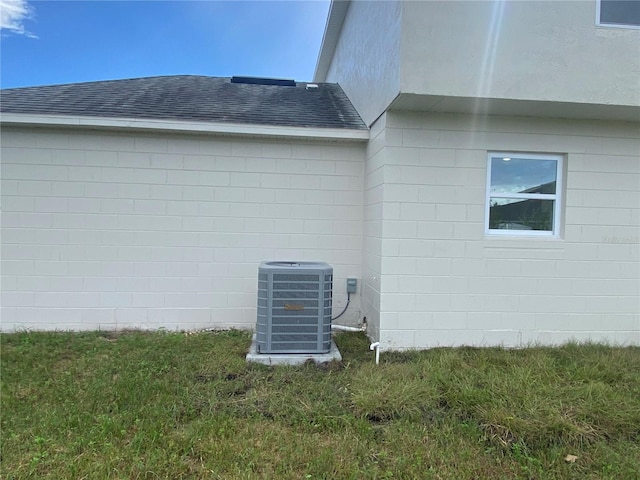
170, 405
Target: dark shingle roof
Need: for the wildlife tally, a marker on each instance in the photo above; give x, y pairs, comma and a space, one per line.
191, 98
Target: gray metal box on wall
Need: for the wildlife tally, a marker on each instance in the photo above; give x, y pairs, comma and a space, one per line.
294, 307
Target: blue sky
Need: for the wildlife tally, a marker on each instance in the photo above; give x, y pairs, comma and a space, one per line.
52, 42
516, 175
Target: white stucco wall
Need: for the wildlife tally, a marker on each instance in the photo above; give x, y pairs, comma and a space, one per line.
113, 230
444, 282
534, 50
543, 51
366, 60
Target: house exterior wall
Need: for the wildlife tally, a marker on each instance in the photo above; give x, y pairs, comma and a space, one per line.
366, 62
372, 231
445, 282
504, 50
113, 230
534, 50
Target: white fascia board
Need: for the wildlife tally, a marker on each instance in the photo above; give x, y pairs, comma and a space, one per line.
8, 119
335, 19
514, 107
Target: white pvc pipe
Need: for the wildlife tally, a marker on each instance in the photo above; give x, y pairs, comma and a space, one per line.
344, 328
376, 346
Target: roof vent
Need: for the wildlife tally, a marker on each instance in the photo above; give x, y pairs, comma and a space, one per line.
264, 81
312, 86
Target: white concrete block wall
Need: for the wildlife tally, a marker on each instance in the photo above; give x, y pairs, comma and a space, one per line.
113, 230
372, 233
447, 283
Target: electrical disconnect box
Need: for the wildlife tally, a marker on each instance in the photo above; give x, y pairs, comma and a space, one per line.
352, 285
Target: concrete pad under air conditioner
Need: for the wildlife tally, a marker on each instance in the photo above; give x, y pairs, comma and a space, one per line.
292, 358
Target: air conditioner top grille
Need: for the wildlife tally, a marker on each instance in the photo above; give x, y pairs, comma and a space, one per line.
289, 266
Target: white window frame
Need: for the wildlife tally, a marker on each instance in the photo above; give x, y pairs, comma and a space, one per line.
556, 197
614, 25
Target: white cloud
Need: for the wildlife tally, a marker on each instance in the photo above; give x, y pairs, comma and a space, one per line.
13, 13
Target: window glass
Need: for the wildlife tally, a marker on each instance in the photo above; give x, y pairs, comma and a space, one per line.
523, 196
519, 214
523, 175
620, 12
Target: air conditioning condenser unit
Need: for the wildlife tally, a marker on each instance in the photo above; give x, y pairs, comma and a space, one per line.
294, 307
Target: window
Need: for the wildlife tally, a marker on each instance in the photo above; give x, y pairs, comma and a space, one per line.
618, 13
523, 194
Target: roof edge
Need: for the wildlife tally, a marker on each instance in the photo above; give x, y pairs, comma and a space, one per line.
69, 121
335, 19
